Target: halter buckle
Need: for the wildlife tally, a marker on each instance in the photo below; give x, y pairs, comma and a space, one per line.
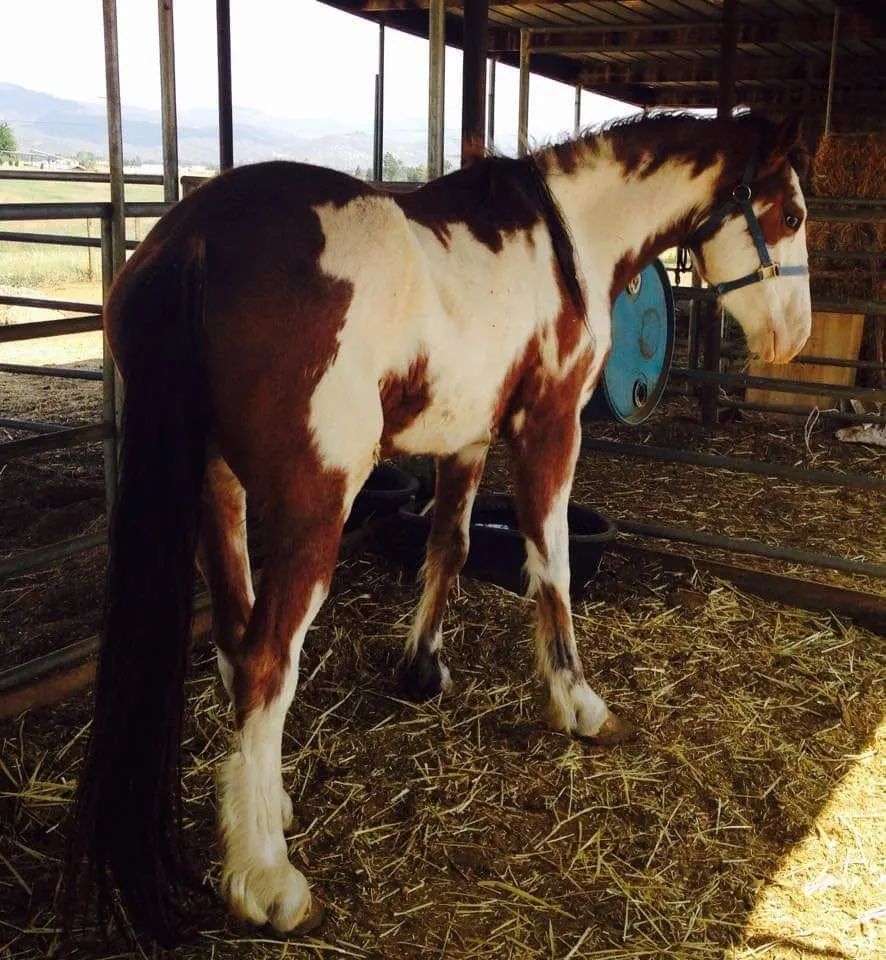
768, 271
742, 193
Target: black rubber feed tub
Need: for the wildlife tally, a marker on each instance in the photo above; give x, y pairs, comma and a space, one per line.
498, 551
386, 490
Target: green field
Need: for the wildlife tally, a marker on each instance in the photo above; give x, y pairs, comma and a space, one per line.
40, 266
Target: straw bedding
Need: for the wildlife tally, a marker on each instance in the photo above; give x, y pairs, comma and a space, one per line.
747, 820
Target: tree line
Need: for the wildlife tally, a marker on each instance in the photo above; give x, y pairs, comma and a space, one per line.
393, 168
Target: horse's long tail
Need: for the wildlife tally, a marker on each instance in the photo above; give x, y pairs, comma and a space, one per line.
126, 822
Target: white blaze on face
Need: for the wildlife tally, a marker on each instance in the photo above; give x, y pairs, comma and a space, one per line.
775, 313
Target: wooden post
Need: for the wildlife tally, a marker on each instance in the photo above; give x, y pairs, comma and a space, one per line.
523, 111
473, 100
713, 333
225, 105
436, 82
832, 71
577, 120
167, 101
89, 250
115, 132
111, 398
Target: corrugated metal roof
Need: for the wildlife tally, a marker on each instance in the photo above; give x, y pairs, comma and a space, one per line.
667, 52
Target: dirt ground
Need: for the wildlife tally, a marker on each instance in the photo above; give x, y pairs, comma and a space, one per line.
747, 820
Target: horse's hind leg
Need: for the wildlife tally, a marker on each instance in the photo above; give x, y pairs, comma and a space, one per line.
544, 455
422, 672
223, 559
258, 880
224, 562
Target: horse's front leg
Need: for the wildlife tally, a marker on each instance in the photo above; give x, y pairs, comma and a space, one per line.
544, 454
422, 673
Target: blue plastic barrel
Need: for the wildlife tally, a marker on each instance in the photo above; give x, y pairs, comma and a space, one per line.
636, 372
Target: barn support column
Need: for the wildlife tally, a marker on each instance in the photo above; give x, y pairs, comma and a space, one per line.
115, 130
167, 101
473, 100
113, 240
225, 104
378, 130
713, 333
523, 109
490, 108
832, 71
436, 81
577, 116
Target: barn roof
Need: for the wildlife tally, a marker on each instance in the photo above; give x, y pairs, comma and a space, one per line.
667, 52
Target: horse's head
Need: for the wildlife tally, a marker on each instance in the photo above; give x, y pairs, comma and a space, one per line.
752, 247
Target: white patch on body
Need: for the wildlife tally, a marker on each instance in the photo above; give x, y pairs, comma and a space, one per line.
469, 310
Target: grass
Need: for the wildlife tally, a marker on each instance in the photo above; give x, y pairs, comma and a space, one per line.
41, 267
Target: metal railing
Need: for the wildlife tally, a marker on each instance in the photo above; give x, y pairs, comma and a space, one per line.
50, 436
113, 245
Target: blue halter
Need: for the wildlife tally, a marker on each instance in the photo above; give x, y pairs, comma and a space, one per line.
741, 200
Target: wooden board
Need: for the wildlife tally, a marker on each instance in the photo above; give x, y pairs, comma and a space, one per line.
834, 335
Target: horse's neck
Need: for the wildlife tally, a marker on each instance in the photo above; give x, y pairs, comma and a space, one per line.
621, 220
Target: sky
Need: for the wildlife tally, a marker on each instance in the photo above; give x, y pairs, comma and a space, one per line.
290, 58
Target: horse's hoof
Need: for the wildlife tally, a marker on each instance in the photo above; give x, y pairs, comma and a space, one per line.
424, 677
277, 895
314, 919
613, 730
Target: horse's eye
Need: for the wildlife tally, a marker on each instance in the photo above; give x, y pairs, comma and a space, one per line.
792, 222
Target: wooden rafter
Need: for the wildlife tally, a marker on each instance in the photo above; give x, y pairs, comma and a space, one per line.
747, 68
669, 38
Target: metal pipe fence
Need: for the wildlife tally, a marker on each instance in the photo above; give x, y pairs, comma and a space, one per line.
702, 299
49, 436
113, 245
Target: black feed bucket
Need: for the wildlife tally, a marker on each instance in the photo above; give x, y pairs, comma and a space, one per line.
386, 490
498, 550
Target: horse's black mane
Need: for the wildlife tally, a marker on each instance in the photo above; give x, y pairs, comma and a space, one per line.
662, 119
697, 137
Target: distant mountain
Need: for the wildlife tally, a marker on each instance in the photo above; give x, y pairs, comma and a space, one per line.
55, 125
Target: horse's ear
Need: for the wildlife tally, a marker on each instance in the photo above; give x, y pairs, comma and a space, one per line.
785, 142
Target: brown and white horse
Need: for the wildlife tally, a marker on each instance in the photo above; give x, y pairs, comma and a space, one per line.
283, 328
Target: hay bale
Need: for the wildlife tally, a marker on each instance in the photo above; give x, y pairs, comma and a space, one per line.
835, 277
851, 165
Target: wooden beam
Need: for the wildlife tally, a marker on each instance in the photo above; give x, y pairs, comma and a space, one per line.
713, 332
395, 6
867, 610
436, 87
760, 69
523, 97
783, 98
169, 123
689, 37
